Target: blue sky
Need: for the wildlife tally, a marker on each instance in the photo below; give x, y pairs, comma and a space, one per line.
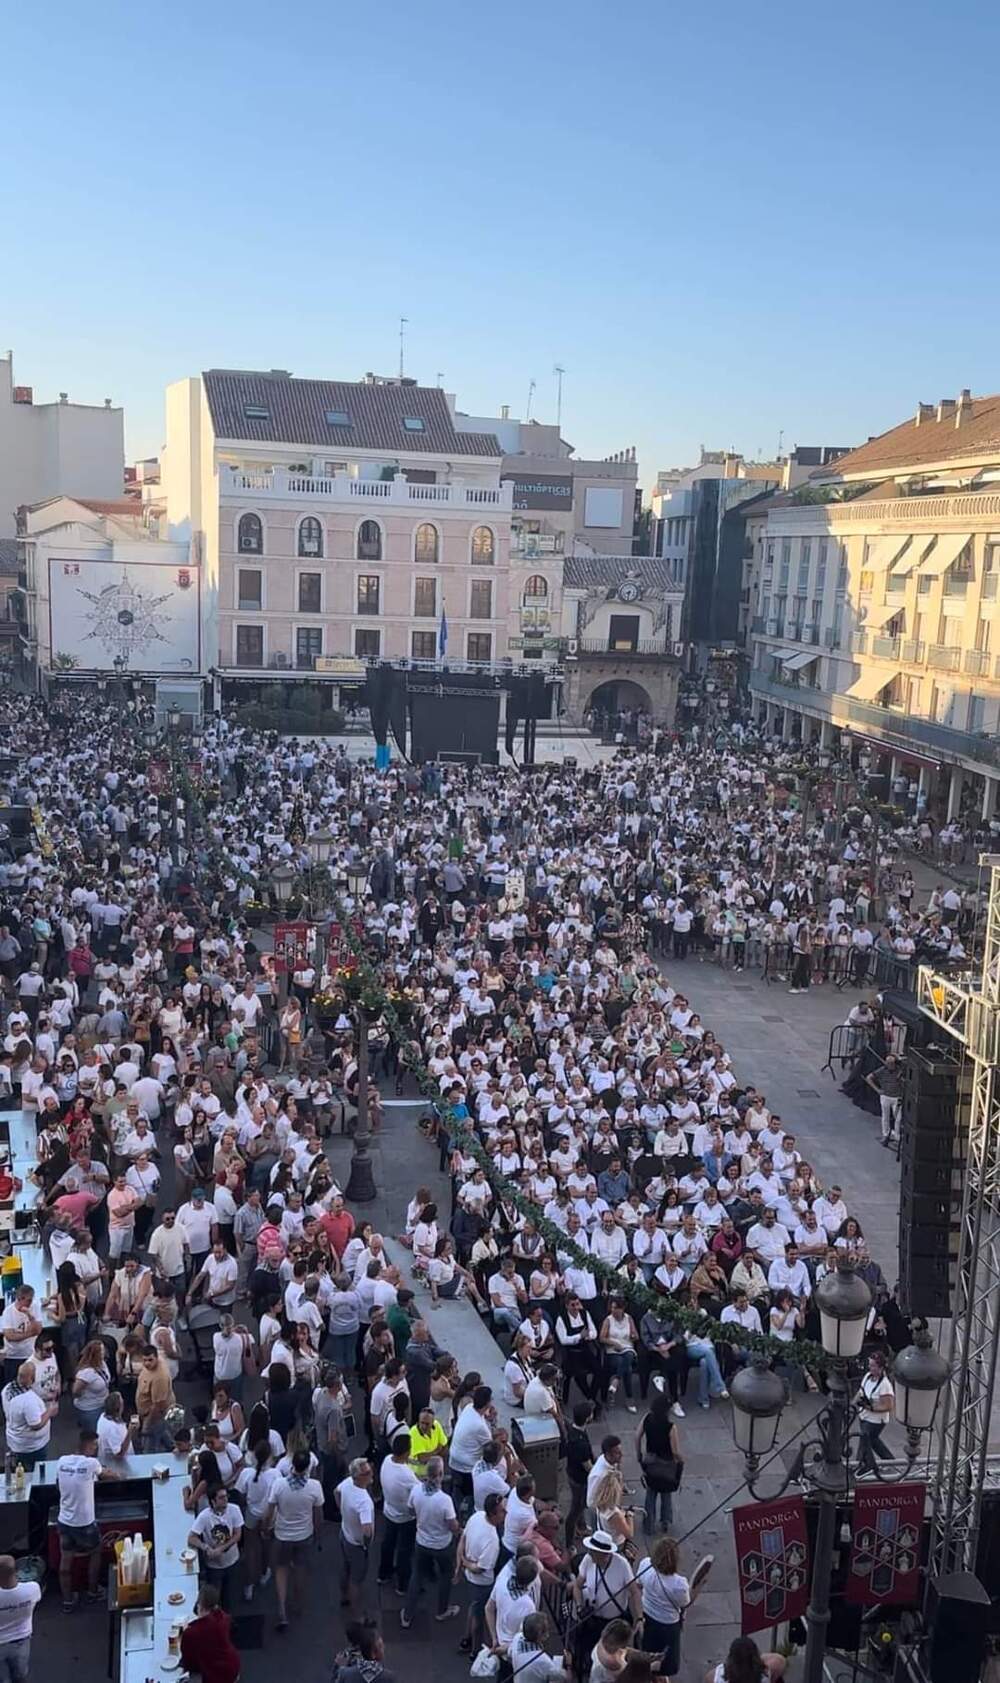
727, 223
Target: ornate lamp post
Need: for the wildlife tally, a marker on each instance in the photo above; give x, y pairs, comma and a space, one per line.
282, 884
823, 1462
360, 1187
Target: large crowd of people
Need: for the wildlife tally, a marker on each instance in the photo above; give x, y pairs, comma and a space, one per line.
526, 925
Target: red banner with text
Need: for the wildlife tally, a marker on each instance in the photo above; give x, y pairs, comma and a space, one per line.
772, 1555
886, 1526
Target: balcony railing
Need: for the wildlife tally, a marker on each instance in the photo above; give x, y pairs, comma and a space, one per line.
645, 649
255, 483
943, 657
977, 663
894, 724
887, 648
912, 650
955, 586
990, 586
859, 642
757, 623
833, 638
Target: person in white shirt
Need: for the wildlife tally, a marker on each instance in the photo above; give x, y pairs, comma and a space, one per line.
528, 1659
790, 1272
216, 1534
295, 1514
437, 1527
741, 1312
478, 1555
17, 1610
217, 1278
27, 1419
768, 1237
515, 1596
357, 1528
76, 1476
399, 1523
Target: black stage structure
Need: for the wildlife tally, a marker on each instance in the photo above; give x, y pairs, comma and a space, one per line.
452, 712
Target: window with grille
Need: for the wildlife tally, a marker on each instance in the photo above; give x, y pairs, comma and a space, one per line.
310, 593
249, 645
369, 541
310, 536
368, 593
250, 535
250, 589
425, 598
481, 599
426, 544
308, 644
483, 547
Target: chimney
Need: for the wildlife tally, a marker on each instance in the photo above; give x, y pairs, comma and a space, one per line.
946, 408
107, 403
963, 408
505, 411
64, 397
925, 412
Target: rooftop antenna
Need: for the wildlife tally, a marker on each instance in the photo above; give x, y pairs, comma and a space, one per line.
439, 376
558, 370
781, 440
403, 323
531, 399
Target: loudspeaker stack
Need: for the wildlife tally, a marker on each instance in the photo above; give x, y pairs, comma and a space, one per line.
932, 1155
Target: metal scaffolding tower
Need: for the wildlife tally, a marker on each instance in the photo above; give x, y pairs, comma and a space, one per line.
967, 1007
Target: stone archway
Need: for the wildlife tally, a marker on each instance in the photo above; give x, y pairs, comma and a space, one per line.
617, 681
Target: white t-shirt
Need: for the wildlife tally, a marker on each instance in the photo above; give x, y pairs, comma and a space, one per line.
398, 1479
76, 1476
27, 1429
220, 1280
13, 1322
217, 1529
295, 1502
467, 1440
538, 1399
664, 1595
17, 1607
111, 1435
532, 1664
434, 1509
482, 1544
356, 1510
256, 1492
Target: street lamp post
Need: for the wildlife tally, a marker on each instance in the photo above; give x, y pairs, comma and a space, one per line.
361, 1185
823, 1463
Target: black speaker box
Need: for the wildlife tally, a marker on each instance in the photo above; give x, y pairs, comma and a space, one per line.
925, 1284
988, 1555
958, 1617
926, 1209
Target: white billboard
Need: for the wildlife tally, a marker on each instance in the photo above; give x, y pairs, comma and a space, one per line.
147, 614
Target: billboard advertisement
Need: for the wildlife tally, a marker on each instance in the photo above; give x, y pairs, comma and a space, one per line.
144, 615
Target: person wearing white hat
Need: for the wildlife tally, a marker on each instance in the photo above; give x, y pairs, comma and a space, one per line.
605, 1586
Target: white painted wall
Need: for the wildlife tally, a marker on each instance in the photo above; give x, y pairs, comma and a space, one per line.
51, 448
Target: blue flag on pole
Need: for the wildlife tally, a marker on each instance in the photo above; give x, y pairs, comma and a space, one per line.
443, 633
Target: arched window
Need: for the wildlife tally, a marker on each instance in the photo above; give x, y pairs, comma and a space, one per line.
536, 589
369, 541
250, 535
483, 547
310, 536
425, 544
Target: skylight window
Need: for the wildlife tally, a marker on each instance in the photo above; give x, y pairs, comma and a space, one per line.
413, 423
337, 418
256, 412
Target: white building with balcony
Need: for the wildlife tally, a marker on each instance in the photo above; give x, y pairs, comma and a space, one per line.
336, 523
873, 612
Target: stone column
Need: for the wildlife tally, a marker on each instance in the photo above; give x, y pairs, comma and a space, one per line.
955, 788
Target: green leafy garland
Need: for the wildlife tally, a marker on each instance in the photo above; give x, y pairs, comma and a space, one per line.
640, 1299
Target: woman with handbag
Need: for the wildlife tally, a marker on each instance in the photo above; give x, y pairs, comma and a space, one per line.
657, 1445
666, 1593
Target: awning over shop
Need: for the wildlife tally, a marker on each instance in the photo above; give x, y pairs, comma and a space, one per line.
947, 549
871, 682
877, 617
795, 662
